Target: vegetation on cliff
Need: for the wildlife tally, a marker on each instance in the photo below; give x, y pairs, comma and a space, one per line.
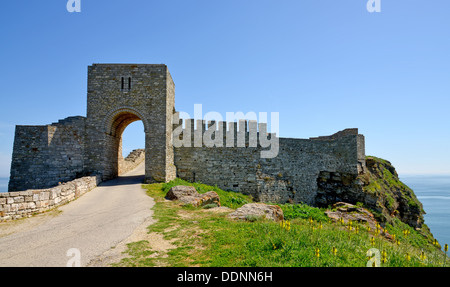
378, 189
389, 198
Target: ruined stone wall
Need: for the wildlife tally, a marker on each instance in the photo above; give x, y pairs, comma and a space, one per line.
119, 94
14, 205
46, 155
129, 163
291, 176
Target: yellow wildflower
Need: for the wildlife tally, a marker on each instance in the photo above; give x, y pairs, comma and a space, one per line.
377, 231
423, 256
435, 243
288, 226
334, 251
383, 256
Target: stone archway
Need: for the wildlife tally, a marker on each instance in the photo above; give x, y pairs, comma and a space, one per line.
115, 124
149, 96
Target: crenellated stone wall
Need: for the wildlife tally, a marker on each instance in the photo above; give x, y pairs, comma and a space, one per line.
238, 156
291, 176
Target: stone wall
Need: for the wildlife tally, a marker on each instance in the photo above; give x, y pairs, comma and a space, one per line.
291, 176
14, 205
119, 94
129, 163
45, 155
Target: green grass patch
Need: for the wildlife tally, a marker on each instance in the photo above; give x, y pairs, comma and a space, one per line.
205, 238
302, 211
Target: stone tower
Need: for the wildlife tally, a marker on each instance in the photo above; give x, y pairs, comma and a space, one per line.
119, 94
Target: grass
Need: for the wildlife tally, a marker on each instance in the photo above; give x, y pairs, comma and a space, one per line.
204, 238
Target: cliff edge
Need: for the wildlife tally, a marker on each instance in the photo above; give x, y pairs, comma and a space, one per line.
379, 189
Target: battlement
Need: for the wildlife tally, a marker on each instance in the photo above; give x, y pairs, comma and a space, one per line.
244, 133
113, 65
237, 155
339, 134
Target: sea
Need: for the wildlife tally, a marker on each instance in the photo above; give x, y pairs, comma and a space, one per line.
432, 190
4, 184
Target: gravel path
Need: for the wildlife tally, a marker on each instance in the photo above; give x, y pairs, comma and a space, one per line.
98, 224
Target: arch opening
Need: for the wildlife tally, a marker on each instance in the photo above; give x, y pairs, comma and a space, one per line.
131, 153
116, 163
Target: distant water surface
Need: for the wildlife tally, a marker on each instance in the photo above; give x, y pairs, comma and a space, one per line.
4, 184
434, 193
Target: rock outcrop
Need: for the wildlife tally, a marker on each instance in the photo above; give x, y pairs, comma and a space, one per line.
352, 213
258, 210
189, 195
349, 212
180, 191
377, 188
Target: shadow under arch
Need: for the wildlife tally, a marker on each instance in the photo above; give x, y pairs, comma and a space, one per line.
124, 180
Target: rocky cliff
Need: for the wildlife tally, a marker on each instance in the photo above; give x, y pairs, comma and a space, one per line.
377, 188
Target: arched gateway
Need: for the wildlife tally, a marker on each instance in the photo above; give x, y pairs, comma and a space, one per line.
119, 95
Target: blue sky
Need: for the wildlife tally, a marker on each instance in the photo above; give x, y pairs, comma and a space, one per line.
323, 65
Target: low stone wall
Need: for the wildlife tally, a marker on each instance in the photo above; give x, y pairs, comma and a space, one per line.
135, 158
19, 204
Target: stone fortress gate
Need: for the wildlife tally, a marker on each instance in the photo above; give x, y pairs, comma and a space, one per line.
119, 94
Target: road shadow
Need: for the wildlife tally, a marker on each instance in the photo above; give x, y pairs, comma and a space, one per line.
124, 180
